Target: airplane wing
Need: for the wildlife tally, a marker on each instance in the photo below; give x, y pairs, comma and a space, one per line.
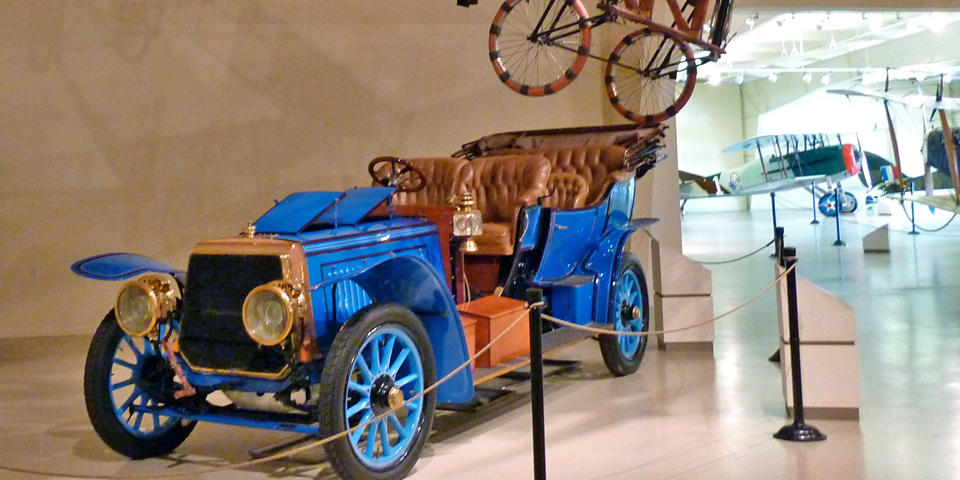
761, 141
784, 184
943, 202
690, 190
929, 102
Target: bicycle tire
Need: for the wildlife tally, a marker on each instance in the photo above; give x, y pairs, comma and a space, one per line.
650, 76
545, 65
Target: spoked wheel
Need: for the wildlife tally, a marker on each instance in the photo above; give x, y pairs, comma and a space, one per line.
828, 204
125, 380
381, 358
650, 76
629, 313
537, 47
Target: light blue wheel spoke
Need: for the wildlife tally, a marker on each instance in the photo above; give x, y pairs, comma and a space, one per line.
387, 353
124, 363
357, 388
385, 439
138, 421
148, 348
405, 380
357, 407
125, 383
375, 356
399, 427
399, 361
133, 347
364, 369
156, 421
355, 436
126, 405
372, 438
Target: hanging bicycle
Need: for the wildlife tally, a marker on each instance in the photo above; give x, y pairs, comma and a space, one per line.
538, 47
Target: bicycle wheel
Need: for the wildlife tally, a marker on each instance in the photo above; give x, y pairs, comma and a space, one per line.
537, 47
650, 76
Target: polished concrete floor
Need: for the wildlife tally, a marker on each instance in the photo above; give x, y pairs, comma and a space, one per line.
683, 415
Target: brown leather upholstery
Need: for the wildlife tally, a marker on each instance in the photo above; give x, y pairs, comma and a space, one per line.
599, 165
446, 177
501, 185
567, 191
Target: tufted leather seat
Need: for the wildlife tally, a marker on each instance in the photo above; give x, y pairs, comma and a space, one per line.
501, 185
599, 165
567, 191
446, 177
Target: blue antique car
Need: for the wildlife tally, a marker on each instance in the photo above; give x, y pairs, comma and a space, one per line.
335, 308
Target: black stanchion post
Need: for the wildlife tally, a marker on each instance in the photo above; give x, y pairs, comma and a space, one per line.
797, 431
778, 243
838, 197
913, 213
535, 296
773, 208
813, 193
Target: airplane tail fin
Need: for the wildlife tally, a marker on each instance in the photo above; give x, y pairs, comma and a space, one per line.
709, 184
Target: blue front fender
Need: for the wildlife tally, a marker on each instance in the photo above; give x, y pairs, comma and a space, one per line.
119, 266
410, 281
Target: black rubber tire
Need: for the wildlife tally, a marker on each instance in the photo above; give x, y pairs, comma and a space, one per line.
372, 320
642, 75
617, 361
97, 378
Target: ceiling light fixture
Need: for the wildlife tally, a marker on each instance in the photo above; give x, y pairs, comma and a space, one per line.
825, 79
715, 79
772, 77
807, 77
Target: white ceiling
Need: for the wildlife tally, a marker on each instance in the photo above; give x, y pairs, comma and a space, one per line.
766, 43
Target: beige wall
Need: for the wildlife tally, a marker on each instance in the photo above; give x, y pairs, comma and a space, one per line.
145, 126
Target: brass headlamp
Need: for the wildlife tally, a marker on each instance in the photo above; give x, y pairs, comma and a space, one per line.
271, 311
145, 301
467, 222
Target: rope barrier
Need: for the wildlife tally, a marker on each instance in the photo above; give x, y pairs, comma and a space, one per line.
293, 451
904, 207
602, 331
740, 257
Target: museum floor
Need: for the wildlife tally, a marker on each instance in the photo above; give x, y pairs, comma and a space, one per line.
684, 415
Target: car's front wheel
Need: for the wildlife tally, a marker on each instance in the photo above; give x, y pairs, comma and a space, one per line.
380, 359
123, 382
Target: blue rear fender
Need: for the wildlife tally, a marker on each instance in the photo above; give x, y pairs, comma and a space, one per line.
412, 282
604, 263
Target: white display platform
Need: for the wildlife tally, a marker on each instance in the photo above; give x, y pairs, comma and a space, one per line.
682, 296
829, 361
877, 241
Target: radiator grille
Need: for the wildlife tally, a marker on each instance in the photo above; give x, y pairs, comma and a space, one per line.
211, 329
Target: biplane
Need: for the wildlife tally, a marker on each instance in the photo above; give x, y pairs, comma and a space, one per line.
789, 161
940, 151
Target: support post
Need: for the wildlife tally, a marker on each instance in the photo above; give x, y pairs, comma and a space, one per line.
813, 193
797, 431
778, 243
838, 199
773, 207
913, 212
535, 296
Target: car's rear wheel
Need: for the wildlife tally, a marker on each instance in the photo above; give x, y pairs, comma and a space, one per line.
381, 358
123, 381
629, 313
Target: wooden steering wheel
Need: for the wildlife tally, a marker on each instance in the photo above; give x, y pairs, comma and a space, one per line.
402, 175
